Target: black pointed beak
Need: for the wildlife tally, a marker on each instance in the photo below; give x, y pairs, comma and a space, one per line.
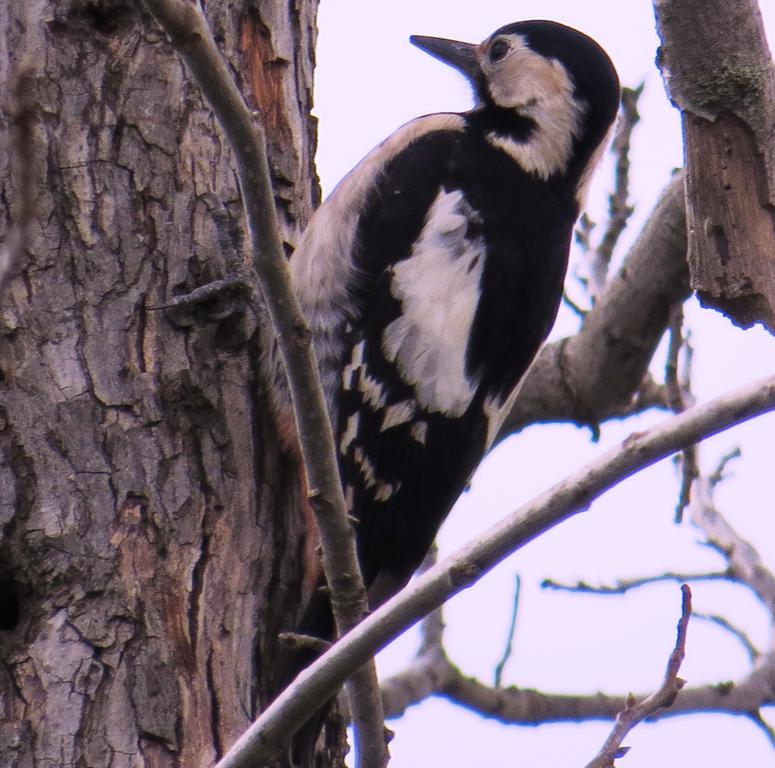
461, 56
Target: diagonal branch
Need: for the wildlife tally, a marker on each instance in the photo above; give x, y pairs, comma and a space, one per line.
572, 495
190, 35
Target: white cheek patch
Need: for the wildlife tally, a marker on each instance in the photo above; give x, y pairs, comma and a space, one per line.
540, 89
439, 288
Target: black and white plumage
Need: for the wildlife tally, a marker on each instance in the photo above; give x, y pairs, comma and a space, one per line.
433, 274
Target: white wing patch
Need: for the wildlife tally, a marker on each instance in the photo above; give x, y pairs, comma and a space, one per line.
398, 413
420, 432
349, 434
321, 266
382, 491
439, 288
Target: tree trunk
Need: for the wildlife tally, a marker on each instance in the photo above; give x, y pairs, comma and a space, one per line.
149, 542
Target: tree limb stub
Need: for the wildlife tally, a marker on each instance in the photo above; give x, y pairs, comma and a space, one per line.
722, 78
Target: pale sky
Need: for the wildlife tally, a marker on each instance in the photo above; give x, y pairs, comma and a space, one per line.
370, 80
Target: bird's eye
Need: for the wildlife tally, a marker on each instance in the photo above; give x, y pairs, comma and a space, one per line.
498, 50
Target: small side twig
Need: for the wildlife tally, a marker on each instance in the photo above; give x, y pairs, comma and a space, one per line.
769, 731
623, 586
752, 651
577, 309
634, 713
720, 472
507, 651
745, 563
619, 209
296, 641
678, 398
618, 206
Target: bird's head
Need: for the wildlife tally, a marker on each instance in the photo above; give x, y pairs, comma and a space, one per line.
559, 83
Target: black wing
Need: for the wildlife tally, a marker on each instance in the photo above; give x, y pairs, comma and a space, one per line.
456, 287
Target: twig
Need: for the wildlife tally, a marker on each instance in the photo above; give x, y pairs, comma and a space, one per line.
677, 399
745, 563
213, 290
296, 641
525, 706
190, 35
752, 651
577, 309
510, 636
618, 207
721, 470
582, 235
619, 210
634, 713
18, 240
768, 730
583, 232
572, 495
623, 586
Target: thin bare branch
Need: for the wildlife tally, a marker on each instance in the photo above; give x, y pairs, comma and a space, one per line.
619, 208
459, 571
190, 34
623, 586
577, 309
306, 642
678, 397
745, 563
752, 651
720, 473
583, 232
507, 651
634, 713
769, 731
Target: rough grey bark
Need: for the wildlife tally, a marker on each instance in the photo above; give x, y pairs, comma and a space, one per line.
149, 548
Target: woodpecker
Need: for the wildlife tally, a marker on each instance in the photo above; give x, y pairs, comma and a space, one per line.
433, 273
